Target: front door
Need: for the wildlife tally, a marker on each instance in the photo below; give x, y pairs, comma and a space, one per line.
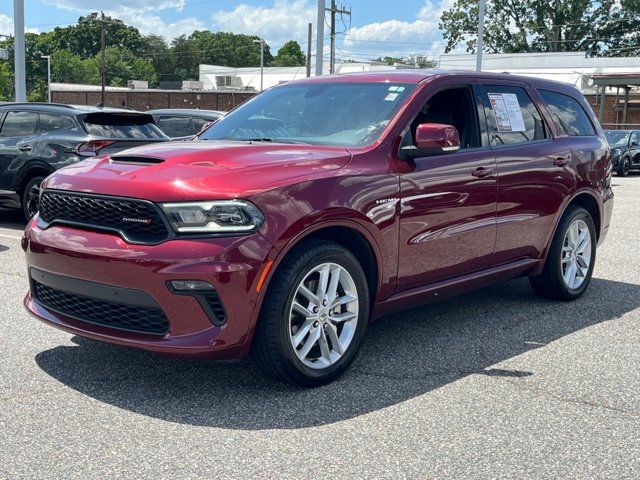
448, 201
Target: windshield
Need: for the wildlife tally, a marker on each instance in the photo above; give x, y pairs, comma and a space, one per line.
330, 114
617, 138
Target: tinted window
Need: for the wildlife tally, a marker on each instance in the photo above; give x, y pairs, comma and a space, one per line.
176, 126
512, 116
634, 139
19, 124
198, 123
117, 125
347, 114
50, 122
568, 113
618, 138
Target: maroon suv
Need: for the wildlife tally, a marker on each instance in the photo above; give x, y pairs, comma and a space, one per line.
318, 206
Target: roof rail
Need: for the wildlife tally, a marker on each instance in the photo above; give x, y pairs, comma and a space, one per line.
20, 104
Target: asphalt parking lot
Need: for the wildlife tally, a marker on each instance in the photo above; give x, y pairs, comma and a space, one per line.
494, 384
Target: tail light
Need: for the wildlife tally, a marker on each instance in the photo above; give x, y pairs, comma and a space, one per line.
92, 147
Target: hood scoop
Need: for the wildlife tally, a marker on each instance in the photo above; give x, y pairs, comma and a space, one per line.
135, 160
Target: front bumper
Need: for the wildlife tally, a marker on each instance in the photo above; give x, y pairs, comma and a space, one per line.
232, 265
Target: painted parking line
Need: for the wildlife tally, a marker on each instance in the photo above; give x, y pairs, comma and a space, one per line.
15, 237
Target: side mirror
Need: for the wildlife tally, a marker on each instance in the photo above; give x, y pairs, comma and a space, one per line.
433, 139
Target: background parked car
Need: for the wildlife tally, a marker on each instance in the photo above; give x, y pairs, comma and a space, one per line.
37, 138
625, 150
181, 124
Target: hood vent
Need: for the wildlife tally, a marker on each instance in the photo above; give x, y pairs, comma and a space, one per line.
136, 160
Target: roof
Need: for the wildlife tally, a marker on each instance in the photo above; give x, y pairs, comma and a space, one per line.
191, 112
63, 108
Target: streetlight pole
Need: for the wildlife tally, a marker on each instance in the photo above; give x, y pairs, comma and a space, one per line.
481, 8
48, 57
261, 42
19, 51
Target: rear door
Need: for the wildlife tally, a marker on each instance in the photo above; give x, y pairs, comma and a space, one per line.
16, 144
535, 172
634, 148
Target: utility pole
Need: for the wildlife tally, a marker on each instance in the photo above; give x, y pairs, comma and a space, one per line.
309, 33
261, 42
48, 57
103, 24
333, 10
480, 42
19, 51
320, 38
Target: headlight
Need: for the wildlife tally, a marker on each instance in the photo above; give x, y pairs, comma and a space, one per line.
220, 216
616, 152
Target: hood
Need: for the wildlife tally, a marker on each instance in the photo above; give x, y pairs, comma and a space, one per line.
183, 171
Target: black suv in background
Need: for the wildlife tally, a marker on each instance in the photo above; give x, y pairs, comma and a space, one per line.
625, 150
183, 123
38, 138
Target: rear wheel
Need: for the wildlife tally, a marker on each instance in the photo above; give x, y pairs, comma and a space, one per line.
625, 166
314, 316
30, 196
572, 254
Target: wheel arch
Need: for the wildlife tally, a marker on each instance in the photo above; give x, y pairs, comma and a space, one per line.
349, 233
585, 199
32, 172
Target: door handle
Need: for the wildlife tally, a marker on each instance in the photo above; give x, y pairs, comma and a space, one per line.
561, 161
482, 172
25, 148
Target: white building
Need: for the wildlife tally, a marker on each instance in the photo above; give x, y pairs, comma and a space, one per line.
216, 77
569, 67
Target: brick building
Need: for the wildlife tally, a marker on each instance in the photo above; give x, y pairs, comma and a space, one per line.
147, 99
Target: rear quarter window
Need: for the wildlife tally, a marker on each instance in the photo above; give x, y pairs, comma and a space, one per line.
568, 114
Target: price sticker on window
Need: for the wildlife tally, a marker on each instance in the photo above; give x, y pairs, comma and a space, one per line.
507, 111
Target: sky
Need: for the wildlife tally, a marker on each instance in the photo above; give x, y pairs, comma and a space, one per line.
376, 28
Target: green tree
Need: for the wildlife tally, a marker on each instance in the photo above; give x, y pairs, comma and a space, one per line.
6, 82
290, 55
67, 67
607, 27
122, 65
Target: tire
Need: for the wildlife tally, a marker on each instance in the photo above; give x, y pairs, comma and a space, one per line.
273, 345
625, 166
29, 199
555, 280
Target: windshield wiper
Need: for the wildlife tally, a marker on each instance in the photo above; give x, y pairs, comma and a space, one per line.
258, 139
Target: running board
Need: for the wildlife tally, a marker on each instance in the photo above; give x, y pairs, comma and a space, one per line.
454, 286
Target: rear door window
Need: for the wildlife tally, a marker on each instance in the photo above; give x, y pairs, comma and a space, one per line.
568, 114
19, 124
50, 122
512, 116
122, 126
176, 126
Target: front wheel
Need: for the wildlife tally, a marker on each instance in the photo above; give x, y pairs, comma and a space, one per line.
314, 315
571, 257
625, 166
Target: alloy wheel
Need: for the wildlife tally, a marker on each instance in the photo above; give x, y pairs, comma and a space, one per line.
323, 316
576, 254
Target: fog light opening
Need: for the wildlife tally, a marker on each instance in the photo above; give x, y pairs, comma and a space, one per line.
191, 286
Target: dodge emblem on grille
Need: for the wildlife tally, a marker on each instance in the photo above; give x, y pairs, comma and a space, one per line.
146, 221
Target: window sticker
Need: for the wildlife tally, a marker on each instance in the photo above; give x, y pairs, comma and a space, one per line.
395, 88
391, 97
507, 111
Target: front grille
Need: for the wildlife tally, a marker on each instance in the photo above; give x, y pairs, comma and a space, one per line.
108, 314
137, 221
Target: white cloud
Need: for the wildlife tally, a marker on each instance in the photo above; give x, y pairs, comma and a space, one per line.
399, 37
6, 25
286, 20
142, 14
